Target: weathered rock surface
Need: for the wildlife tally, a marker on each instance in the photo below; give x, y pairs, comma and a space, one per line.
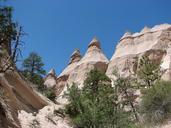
166, 65
153, 42
51, 79
47, 117
22, 107
76, 71
15, 95
62, 79
74, 59
93, 58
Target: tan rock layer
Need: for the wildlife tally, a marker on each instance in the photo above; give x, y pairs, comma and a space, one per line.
154, 42
76, 72
17, 95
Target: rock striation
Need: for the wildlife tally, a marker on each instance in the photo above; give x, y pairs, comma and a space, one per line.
16, 94
78, 67
93, 58
74, 59
154, 42
64, 77
21, 104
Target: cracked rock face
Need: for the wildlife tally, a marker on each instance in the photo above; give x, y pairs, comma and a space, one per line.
154, 42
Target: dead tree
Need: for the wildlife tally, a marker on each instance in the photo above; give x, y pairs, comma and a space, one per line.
8, 60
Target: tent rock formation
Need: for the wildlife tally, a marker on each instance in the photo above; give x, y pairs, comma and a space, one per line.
154, 42
76, 72
50, 79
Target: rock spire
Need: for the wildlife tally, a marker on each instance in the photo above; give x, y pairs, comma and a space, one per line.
75, 57
50, 80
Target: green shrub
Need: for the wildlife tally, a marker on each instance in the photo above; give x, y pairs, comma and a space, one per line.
50, 94
156, 103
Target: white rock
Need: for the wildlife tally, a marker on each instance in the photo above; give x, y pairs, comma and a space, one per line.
50, 79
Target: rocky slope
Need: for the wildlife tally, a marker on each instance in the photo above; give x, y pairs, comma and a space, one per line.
47, 117
16, 94
20, 102
23, 107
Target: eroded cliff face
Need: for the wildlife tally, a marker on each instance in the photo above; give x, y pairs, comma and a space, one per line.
78, 68
21, 106
154, 42
93, 58
65, 75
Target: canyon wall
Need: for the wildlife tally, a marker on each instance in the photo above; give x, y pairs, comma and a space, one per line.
154, 42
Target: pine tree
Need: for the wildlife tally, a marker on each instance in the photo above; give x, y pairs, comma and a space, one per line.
148, 72
33, 69
124, 88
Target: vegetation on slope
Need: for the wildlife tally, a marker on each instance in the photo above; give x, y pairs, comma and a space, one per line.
34, 72
156, 103
96, 105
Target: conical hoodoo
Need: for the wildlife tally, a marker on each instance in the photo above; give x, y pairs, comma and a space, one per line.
76, 72
95, 42
93, 58
75, 57
50, 80
62, 79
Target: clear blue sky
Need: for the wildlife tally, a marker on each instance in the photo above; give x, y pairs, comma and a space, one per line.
56, 27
